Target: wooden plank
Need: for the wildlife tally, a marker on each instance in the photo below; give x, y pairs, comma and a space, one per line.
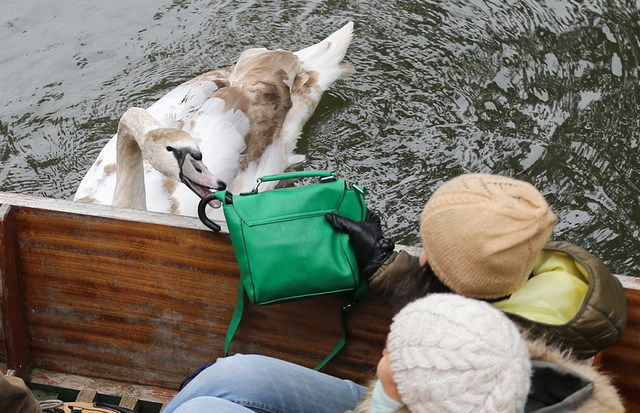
87, 395
3, 354
103, 211
128, 402
622, 361
14, 324
113, 298
121, 298
102, 386
147, 298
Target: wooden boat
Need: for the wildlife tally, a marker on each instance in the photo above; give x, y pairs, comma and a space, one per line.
131, 302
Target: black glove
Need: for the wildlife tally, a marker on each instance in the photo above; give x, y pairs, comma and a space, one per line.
370, 245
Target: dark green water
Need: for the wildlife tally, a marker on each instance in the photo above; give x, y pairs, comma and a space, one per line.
548, 91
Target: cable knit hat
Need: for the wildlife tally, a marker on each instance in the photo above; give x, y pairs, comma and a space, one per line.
450, 353
482, 233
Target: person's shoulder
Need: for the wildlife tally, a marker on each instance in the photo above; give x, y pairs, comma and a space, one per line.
604, 398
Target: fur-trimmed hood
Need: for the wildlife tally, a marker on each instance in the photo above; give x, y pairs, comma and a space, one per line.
578, 386
604, 398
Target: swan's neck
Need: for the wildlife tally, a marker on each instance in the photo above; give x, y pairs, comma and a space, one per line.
132, 129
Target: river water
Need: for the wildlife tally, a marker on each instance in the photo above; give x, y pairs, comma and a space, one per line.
547, 91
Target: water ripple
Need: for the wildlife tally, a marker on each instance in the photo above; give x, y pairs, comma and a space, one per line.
545, 91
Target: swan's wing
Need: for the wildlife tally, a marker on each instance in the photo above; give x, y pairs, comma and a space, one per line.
320, 65
98, 184
183, 102
260, 87
293, 83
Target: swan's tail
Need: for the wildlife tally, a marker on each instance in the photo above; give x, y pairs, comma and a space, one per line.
325, 57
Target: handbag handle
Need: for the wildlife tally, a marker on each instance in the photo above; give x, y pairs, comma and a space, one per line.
203, 215
324, 177
276, 177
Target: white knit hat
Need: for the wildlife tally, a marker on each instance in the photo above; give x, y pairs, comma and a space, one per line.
482, 233
450, 353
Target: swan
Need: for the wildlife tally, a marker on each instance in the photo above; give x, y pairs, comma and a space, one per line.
244, 120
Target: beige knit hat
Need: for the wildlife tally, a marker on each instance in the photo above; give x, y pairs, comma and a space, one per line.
453, 354
482, 233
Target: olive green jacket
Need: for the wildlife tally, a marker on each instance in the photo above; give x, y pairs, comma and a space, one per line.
571, 297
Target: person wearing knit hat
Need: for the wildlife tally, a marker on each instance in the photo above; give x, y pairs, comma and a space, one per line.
488, 237
447, 353
444, 353
482, 233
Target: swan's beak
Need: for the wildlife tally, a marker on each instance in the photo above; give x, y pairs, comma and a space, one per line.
197, 177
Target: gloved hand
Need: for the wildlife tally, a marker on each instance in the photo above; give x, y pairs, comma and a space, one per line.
371, 246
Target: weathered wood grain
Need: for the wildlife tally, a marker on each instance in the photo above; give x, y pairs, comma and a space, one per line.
115, 298
146, 298
15, 337
150, 394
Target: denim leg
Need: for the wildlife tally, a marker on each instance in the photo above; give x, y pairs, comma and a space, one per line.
207, 404
268, 385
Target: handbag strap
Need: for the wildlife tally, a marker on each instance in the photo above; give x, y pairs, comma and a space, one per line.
235, 320
351, 299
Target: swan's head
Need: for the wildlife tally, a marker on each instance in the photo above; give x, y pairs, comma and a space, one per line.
174, 153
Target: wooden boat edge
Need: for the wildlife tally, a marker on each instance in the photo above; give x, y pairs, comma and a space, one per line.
620, 358
107, 211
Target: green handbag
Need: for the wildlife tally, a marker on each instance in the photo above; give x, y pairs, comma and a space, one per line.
286, 249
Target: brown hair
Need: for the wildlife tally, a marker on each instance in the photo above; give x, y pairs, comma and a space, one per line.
413, 286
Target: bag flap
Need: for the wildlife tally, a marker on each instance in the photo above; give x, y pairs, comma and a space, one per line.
288, 203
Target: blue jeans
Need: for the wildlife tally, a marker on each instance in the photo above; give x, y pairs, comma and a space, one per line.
251, 383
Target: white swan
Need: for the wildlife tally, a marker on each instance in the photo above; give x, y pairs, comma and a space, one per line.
246, 120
